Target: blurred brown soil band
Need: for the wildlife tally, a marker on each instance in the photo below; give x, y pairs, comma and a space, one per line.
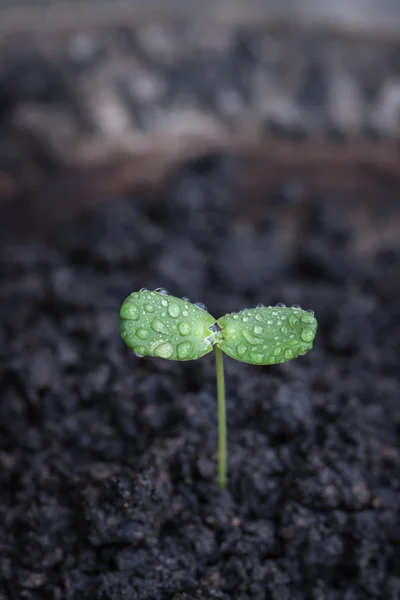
100, 106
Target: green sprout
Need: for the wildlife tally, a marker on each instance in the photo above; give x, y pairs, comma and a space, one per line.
157, 324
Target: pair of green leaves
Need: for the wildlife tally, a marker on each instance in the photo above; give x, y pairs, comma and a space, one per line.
160, 325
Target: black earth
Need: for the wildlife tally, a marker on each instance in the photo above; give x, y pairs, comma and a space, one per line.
107, 461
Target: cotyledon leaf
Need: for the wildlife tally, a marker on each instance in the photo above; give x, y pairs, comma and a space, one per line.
157, 324
267, 335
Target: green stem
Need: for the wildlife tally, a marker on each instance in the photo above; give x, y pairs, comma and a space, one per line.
222, 437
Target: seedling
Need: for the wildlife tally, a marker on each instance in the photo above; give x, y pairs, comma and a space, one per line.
160, 325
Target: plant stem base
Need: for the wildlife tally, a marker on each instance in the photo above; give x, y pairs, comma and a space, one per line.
222, 433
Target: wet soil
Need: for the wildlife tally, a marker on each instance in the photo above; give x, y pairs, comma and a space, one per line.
107, 461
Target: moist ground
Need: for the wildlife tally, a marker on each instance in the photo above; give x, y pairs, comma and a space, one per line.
107, 461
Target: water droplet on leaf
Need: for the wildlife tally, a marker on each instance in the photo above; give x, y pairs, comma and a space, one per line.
257, 356
201, 306
139, 351
307, 319
183, 350
241, 350
159, 327
184, 328
130, 311
307, 335
142, 333
174, 310
164, 350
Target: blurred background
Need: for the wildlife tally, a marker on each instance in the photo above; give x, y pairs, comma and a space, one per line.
100, 98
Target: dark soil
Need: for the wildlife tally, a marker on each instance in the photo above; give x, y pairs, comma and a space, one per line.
107, 461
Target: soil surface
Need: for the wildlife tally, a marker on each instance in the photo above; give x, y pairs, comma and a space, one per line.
107, 461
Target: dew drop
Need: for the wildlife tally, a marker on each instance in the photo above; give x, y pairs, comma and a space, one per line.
149, 308
270, 321
293, 320
259, 317
174, 310
184, 328
235, 316
312, 313
241, 350
185, 298
258, 330
245, 319
303, 350
142, 333
139, 351
278, 351
284, 330
164, 350
161, 291
185, 313
130, 311
260, 305
289, 353
135, 295
296, 306
183, 350
159, 327
257, 356
201, 306
244, 309
307, 319
144, 290
280, 305
307, 335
